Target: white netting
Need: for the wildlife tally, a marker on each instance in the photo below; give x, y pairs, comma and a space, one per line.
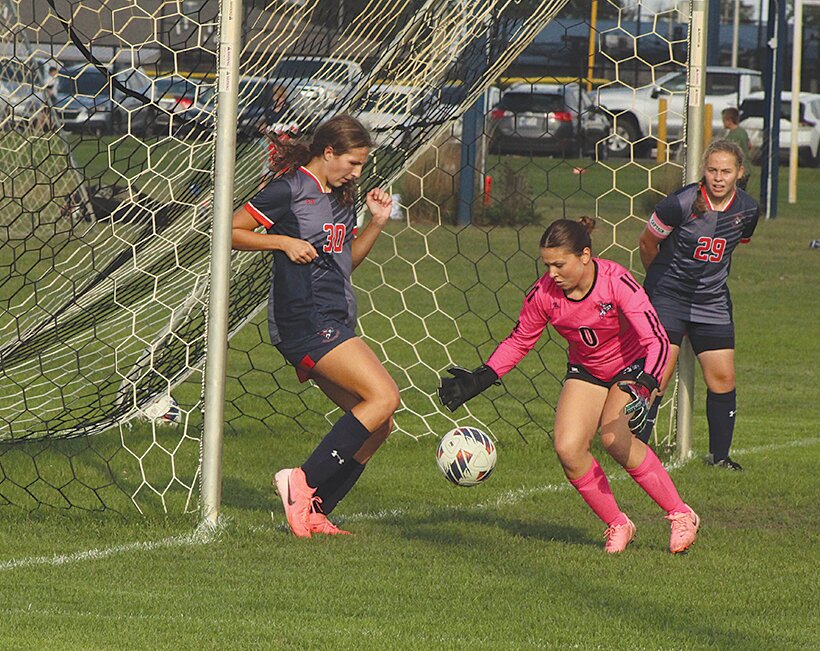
106, 216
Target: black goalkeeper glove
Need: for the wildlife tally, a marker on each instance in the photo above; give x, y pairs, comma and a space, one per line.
641, 391
464, 385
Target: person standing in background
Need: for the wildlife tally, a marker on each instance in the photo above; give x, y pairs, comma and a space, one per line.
737, 134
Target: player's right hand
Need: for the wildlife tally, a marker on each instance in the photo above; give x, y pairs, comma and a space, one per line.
300, 251
464, 385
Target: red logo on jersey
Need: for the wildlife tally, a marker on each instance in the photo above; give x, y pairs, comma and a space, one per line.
310, 202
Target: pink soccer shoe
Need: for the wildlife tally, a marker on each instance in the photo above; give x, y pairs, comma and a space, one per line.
618, 537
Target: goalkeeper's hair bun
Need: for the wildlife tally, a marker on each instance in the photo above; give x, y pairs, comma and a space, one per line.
569, 234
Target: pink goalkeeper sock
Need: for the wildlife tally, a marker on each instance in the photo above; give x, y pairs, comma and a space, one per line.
594, 488
653, 478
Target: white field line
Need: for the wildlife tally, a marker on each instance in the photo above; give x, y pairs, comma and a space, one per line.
201, 536
206, 535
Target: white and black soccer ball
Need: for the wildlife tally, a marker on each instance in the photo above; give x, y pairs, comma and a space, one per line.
163, 410
466, 456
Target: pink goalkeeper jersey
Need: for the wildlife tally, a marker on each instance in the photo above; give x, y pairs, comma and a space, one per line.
610, 328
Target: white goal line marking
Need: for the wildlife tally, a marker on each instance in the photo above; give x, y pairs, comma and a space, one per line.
204, 535
201, 536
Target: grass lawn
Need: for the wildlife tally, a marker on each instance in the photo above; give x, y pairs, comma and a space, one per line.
513, 564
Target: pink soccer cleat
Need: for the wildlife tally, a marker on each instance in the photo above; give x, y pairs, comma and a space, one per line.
618, 537
684, 530
319, 523
297, 497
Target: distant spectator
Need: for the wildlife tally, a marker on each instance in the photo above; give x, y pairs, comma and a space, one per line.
737, 134
51, 83
44, 119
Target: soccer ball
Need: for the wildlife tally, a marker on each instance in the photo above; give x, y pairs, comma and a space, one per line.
466, 456
163, 410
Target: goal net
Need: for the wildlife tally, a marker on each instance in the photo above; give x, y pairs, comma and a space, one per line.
107, 139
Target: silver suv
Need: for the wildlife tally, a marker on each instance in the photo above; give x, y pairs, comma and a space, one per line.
635, 111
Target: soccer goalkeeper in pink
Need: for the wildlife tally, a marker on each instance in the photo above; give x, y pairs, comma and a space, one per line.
617, 352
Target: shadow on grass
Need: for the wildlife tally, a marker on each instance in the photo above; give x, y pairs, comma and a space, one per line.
247, 496
464, 527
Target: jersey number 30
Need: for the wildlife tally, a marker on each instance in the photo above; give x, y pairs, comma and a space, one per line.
335, 237
710, 249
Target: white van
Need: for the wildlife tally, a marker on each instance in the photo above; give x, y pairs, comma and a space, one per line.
635, 111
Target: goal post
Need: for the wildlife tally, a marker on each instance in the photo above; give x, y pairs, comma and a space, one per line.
696, 91
230, 44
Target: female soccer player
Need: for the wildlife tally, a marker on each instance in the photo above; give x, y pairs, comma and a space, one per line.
686, 249
617, 353
310, 221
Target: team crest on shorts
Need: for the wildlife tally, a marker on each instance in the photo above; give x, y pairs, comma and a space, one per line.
329, 334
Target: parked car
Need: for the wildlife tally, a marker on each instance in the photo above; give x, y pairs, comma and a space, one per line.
22, 100
89, 100
313, 87
635, 111
547, 119
256, 97
753, 109
393, 112
316, 86
173, 96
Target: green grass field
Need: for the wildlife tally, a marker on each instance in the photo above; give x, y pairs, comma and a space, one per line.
513, 564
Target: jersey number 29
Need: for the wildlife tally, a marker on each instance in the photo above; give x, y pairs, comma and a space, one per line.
710, 249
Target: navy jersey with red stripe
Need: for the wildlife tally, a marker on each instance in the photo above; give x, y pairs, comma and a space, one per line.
688, 278
607, 330
305, 297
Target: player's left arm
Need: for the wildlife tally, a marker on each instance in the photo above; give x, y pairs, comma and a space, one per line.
379, 203
634, 304
636, 308
749, 227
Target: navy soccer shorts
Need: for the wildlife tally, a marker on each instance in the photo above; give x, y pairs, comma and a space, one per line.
304, 353
702, 336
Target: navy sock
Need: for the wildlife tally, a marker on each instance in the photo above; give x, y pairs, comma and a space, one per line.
646, 432
335, 450
720, 412
334, 489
